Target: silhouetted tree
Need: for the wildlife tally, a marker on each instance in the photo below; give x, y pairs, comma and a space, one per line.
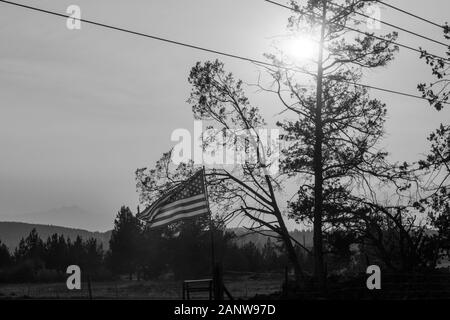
436, 165
271, 257
31, 248
93, 256
56, 253
437, 92
190, 250
5, 256
333, 134
124, 243
153, 252
76, 251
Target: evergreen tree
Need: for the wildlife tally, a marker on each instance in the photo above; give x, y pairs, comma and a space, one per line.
124, 243
93, 256
76, 252
31, 248
5, 257
153, 254
333, 134
56, 253
190, 248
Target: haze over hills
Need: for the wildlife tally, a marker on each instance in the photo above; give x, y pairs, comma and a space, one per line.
73, 220
12, 232
69, 216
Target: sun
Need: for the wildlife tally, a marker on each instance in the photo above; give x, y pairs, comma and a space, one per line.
301, 48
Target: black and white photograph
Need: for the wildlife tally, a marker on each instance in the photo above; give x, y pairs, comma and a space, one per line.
224, 155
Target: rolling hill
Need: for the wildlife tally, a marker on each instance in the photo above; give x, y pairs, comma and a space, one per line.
71, 216
12, 232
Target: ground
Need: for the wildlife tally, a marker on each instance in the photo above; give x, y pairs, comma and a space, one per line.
260, 286
243, 287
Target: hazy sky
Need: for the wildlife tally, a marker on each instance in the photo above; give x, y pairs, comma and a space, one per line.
80, 110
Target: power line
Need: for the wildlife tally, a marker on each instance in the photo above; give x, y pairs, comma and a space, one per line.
204, 49
357, 30
391, 25
411, 14
140, 34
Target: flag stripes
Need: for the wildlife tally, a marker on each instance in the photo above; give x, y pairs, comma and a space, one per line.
149, 211
184, 201
179, 216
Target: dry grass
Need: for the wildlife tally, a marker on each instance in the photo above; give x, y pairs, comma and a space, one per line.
240, 287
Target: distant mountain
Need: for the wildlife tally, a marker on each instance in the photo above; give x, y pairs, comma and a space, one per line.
69, 216
12, 232
243, 237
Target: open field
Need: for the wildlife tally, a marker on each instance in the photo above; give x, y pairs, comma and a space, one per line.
242, 287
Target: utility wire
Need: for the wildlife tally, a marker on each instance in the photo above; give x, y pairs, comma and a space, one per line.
205, 49
391, 25
138, 33
411, 14
358, 31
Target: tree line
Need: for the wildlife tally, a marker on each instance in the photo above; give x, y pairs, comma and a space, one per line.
179, 251
182, 250
36, 260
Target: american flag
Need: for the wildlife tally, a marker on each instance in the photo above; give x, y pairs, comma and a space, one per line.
187, 200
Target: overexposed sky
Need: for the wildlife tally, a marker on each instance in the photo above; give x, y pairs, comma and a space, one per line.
80, 110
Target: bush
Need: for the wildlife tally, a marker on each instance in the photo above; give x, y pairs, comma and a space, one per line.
101, 274
49, 275
22, 272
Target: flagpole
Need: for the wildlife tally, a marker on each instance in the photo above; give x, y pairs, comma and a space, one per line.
211, 231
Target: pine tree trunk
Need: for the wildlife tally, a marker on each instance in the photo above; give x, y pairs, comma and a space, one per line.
284, 233
319, 270
293, 257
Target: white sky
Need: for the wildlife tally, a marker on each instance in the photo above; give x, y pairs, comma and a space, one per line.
81, 110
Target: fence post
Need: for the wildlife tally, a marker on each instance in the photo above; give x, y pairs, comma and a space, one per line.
286, 281
89, 287
183, 288
218, 283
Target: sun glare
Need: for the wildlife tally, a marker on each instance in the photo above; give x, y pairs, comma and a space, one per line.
301, 48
